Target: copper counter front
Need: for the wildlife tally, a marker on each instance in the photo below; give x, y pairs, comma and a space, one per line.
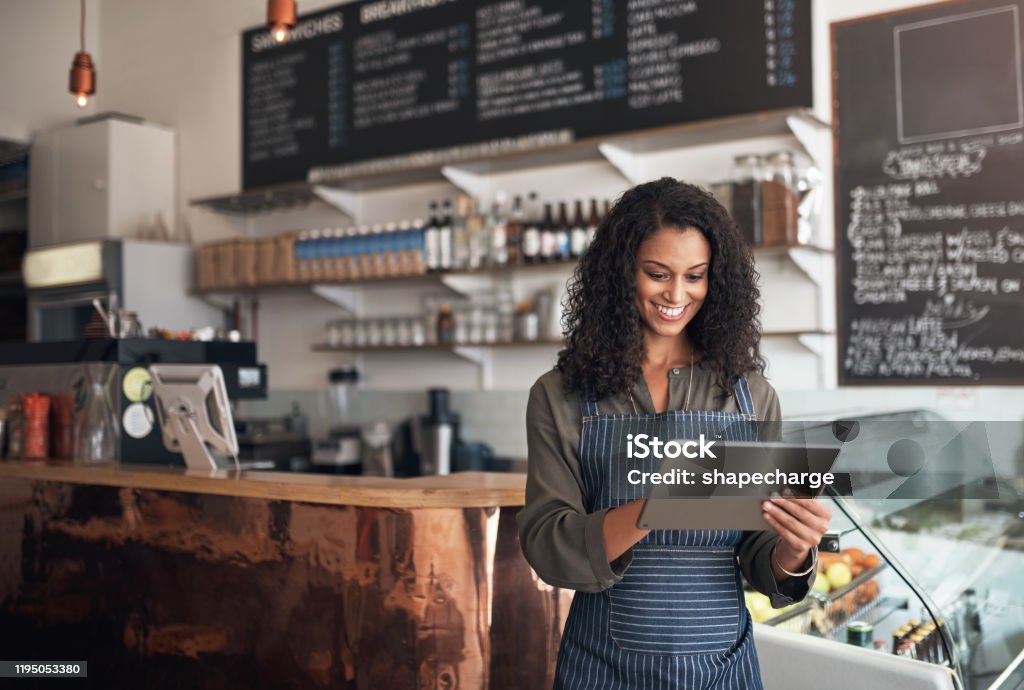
172, 589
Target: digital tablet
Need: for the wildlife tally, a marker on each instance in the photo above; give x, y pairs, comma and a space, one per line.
726, 492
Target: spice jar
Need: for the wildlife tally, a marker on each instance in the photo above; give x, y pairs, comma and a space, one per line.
779, 200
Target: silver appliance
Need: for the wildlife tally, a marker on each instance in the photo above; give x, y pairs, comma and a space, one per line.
435, 434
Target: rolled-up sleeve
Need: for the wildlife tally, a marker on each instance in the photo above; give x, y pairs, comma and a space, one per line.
561, 541
754, 554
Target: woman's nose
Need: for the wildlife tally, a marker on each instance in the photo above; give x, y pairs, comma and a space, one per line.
676, 291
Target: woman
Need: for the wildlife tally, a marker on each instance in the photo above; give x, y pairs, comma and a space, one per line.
663, 337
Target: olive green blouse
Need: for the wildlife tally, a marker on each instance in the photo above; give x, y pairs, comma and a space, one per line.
562, 542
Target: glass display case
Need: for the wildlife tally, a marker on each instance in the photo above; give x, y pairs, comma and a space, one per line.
930, 539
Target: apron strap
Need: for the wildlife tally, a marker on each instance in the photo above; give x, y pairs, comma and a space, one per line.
743, 397
588, 408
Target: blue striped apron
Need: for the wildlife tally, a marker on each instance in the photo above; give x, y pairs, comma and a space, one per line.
677, 617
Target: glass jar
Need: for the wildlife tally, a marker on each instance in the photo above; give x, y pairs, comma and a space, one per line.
420, 327
745, 196
347, 334
361, 333
334, 334
403, 331
375, 332
389, 332
779, 199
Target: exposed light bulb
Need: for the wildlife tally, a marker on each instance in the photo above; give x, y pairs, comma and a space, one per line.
82, 100
280, 33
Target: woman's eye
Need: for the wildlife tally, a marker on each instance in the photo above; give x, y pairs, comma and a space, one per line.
694, 279
657, 276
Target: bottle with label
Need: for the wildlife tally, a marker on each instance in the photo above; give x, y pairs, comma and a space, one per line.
417, 244
345, 259
404, 265
578, 234
313, 254
496, 230
362, 247
548, 236
445, 325
563, 234
514, 232
592, 222
375, 255
433, 239
530, 236
445, 236
391, 250
460, 232
478, 239
302, 256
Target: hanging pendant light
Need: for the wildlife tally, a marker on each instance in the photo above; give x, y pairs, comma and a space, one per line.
280, 18
83, 76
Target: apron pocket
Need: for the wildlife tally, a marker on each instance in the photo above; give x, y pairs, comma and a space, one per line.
676, 600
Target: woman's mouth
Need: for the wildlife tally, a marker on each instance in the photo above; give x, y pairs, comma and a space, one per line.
668, 313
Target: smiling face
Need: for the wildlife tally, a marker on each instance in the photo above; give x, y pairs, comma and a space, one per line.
671, 280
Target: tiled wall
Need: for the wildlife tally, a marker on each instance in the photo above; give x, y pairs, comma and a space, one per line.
498, 417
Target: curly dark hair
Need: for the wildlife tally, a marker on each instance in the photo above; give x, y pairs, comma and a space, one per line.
601, 322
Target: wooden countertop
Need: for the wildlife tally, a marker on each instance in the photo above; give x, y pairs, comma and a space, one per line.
460, 490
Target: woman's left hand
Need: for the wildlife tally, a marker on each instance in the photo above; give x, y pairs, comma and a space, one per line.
801, 523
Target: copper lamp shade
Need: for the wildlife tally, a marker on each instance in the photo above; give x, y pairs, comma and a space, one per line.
280, 17
83, 76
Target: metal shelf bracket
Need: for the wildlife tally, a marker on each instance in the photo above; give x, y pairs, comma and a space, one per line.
348, 298
482, 358
628, 163
814, 135
342, 199
468, 181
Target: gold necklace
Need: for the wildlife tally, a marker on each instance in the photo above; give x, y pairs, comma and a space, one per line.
689, 387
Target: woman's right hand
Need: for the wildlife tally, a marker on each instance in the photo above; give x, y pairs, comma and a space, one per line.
620, 530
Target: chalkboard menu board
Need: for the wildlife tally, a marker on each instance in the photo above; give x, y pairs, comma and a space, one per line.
929, 128
425, 81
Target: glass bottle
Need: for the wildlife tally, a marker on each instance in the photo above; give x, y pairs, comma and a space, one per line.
445, 237
496, 230
445, 325
592, 222
530, 236
562, 234
95, 424
548, 236
514, 232
578, 235
433, 239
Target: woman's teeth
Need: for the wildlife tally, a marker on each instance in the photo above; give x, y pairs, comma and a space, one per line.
672, 313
